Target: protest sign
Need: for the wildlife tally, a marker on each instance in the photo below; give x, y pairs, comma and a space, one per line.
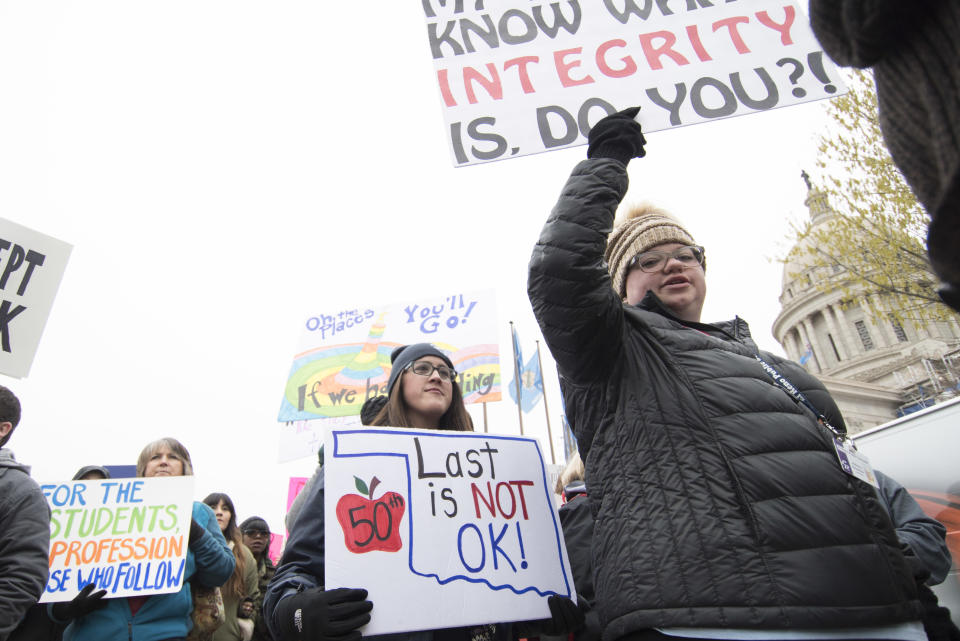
294, 487
298, 439
31, 267
461, 521
275, 551
127, 536
519, 78
344, 355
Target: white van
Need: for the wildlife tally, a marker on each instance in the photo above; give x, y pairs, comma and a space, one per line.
921, 451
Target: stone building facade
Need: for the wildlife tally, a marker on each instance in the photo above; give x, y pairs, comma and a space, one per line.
875, 371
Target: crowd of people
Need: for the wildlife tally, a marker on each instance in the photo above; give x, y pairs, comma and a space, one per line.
741, 523
715, 497
226, 570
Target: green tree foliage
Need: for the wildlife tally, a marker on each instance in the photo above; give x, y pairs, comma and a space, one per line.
875, 237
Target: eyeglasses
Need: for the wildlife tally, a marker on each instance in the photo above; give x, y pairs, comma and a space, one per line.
256, 534
426, 368
654, 261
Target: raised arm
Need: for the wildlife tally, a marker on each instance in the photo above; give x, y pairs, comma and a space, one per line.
580, 315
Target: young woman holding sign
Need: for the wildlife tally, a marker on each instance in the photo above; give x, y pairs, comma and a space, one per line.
162, 616
241, 590
422, 393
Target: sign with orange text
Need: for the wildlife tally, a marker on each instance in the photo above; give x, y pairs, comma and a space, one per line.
519, 77
463, 521
126, 536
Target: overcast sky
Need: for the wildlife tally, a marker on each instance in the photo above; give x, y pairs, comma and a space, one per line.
225, 169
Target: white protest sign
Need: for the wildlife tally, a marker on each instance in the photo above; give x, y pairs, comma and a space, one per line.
31, 267
461, 521
343, 357
127, 536
519, 78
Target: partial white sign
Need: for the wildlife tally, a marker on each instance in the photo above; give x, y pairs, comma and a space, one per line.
31, 267
519, 78
126, 536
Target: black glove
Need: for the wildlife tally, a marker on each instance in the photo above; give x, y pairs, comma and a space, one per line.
81, 605
321, 615
565, 617
617, 136
196, 531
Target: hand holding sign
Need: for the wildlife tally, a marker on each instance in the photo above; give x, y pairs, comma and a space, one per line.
334, 615
81, 605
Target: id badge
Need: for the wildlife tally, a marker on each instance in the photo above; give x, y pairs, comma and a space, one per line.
853, 462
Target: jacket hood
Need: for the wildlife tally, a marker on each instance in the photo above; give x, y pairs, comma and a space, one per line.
7, 462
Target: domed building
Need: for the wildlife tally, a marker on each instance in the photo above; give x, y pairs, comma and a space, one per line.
875, 372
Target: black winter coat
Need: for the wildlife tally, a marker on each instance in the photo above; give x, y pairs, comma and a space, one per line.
718, 500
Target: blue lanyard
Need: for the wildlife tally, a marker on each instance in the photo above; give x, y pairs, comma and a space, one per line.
784, 384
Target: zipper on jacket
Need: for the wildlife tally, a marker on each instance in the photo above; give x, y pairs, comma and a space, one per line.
130, 630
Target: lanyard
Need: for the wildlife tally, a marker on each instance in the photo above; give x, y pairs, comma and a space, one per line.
784, 384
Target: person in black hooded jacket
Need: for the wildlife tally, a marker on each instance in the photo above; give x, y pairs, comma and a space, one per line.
721, 509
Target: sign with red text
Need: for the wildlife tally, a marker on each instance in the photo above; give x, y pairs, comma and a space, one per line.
343, 357
463, 521
126, 536
519, 77
31, 267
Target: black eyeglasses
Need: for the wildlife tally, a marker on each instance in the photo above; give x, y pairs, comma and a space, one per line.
653, 261
256, 534
426, 368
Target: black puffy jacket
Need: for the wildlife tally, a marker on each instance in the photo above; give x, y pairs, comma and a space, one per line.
718, 500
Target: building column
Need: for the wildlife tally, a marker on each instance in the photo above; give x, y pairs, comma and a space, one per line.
846, 329
812, 339
794, 352
837, 339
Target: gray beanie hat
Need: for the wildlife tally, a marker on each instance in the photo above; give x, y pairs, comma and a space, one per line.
406, 354
644, 227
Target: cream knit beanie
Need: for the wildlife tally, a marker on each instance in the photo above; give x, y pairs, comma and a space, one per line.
642, 228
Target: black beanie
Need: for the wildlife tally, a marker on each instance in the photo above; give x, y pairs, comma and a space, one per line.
406, 354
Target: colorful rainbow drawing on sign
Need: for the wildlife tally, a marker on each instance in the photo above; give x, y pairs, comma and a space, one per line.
334, 381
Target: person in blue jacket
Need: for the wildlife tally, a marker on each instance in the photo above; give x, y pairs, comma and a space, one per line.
160, 617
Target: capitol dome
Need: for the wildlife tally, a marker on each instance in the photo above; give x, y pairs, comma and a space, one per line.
875, 371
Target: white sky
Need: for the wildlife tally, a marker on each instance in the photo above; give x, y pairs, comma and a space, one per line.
224, 169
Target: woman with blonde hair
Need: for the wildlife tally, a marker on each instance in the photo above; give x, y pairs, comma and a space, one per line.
159, 617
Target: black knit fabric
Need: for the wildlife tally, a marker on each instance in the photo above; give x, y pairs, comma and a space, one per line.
914, 50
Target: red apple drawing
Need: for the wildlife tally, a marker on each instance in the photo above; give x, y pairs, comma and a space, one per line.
371, 524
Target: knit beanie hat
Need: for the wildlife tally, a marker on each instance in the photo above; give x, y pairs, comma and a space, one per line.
406, 354
254, 523
642, 228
